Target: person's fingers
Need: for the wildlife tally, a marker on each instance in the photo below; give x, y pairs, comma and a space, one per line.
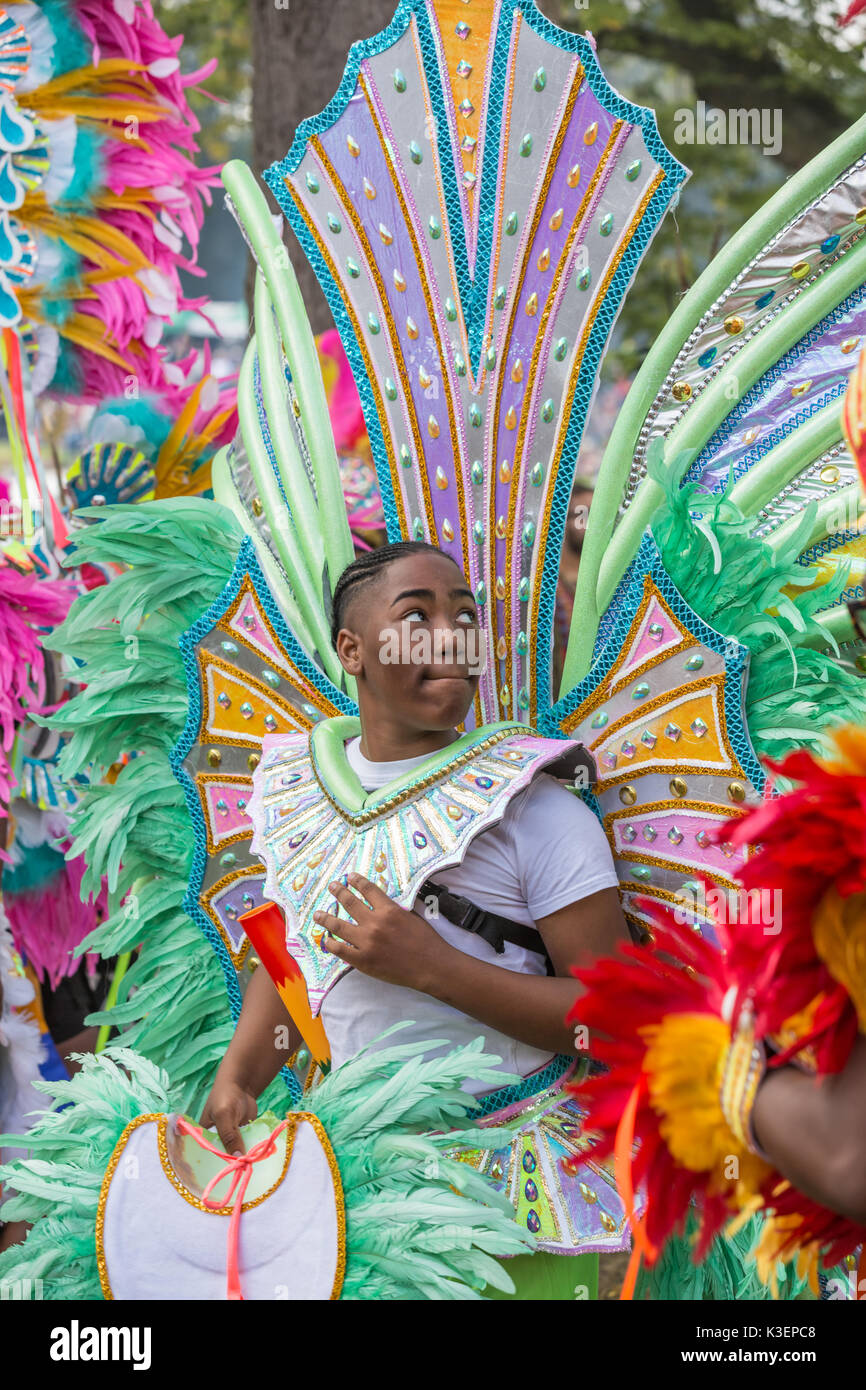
230, 1135
338, 948
374, 895
338, 926
354, 905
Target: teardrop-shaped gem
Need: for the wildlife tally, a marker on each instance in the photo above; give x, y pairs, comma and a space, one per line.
478, 533
450, 310
312, 182
441, 477
415, 152
369, 190
505, 697
528, 533
523, 697
584, 278
214, 757
633, 170
425, 380
561, 350
399, 281
419, 840
405, 456
511, 418
590, 134
544, 259
574, 176
490, 358
390, 389
800, 270
605, 226
536, 477
399, 81
501, 649
556, 220
500, 588
500, 528
433, 429
412, 328
505, 471
447, 530
517, 371
511, 224
548, 410
477, 473
299, 880
695, 662
435, 228
380, 863
353, 268
334, 224
418, 529
481, 593
271, 678
499, 298
829, 245
460, 364
454, 812
386, 235
373, 323
475, 416
539, 81
522, 643
706, 358
526, 146
532, 305
353, 146
523, 590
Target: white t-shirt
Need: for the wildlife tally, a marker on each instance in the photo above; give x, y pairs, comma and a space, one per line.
547, 851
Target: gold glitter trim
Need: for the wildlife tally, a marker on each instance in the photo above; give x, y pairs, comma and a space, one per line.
526, 398
206, 898
420, 263
655, 764
612, 685
499, 216
235, 779
544, 527
360, 339
375, 276
191, 1198
652, 861
407, 793
207, 661
292, 675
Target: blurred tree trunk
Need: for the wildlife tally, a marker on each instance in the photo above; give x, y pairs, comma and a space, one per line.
299, 54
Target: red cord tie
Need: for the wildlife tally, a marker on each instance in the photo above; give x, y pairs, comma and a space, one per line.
239, 1168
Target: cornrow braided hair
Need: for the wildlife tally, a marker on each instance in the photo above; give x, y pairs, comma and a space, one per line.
368, 566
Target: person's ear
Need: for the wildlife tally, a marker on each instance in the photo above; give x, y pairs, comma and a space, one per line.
349, 651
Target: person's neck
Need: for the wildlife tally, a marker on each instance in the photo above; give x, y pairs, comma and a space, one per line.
382, 742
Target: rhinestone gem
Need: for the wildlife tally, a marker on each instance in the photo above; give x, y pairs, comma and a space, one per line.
698, 727
223, 700
544, 260
673, 732
530, 1190
405, 456
675, 835
373, 323
242, 803
734, 324
270, 678
605, 226
681, 391
227, 860
499, 298
628, 749
416, 154
548, 410
528, 535
736, 791
419, 840
247, 710
390, 389
706, 358
641, 691
441, 476
695, 662
584, 278
400, 281
536, 477
505, 471
466, 108
412, 328
222, 807
609, 759
353, 146
591, 133
727, 849
678, 788
523, 698
627, 795
299, 880
763, 300
500, 532
633, 170
501, 649
435, 228
460, 364
526, 146
533, 1221
517, 371
656, 632
629, 834
462, 29
334, 224
574, 176
511, 418
505, 697
511, 224
702, 839
523, 590
649, 833
369, 190
600, 720
230, 648
640, 871
649, 739
399, 81
556, 220
499, 588
253, 761
539, 81
561, 349
481, 593
270, 723
800, 270
312, 182
464, 69
469, 179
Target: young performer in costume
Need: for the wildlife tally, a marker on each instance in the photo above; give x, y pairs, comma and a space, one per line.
476, 200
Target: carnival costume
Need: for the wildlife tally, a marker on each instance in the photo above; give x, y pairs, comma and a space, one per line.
476, 200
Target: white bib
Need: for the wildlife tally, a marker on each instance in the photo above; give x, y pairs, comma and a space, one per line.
156, 1239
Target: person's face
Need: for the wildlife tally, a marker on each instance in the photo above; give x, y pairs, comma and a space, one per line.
409, 641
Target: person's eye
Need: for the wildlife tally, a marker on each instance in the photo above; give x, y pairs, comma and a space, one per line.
414, 613
468, 616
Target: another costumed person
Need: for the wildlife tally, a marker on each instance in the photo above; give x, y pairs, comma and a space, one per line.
364, 839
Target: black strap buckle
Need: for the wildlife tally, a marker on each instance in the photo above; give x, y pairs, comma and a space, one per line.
468, 916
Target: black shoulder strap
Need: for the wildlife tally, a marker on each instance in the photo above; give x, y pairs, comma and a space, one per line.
495, 930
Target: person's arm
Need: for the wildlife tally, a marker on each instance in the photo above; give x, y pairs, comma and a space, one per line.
814, 1132
263, 1041
401, 948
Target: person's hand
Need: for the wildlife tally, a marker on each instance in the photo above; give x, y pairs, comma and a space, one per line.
382, 939
229, 1106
